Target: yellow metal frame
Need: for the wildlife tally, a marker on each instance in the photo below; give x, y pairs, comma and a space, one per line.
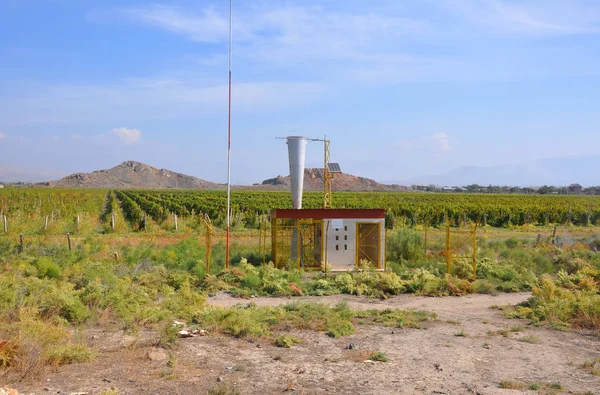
208, 232
299, 225
357, 241
262, 237
327, 177
302, 248
449, 256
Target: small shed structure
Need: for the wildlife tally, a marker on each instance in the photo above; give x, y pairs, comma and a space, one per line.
341, 237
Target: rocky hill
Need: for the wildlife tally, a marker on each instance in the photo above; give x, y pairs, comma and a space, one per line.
133, 174
313, 181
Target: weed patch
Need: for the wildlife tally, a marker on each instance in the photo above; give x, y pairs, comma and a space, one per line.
593, 366
379, 357
286, 341
530, 339
510, 385
561, 307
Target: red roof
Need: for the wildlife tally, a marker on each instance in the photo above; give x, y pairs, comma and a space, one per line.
330, 213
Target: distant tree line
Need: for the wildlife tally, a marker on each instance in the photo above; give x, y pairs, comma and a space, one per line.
573, 189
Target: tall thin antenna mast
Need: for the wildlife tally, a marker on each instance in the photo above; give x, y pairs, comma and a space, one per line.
229, 146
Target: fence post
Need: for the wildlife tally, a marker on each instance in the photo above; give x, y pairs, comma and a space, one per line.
46, 223
554, 234
448, 249
587, 218
78, 222
475, 254
5, 225
69, 241
175, 218
112, 221
21, 243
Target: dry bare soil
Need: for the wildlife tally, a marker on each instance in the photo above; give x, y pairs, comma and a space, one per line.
454, 354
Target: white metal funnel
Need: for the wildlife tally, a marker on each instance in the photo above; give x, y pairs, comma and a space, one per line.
297, 154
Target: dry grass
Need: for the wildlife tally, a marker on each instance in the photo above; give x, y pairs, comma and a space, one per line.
530, 339
593, 366
510, 385
500, 332
365, 355
358, 355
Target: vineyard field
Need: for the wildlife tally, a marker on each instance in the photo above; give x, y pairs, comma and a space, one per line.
412, 208
48, 211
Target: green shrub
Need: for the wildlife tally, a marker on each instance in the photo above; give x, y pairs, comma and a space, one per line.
484, 287
47, 269
379, 357
68, 354
404, 244
561, 307
338, 327
286, 341
512, 242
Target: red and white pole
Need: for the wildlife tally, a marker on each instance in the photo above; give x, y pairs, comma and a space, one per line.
229, 147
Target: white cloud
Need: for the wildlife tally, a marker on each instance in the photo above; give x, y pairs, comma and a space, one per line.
436, 144
441, 142
209, 27
2, 136
127, 136
550, 17
158, 99
289, 35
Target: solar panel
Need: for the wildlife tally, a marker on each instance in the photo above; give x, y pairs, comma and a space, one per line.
334, 167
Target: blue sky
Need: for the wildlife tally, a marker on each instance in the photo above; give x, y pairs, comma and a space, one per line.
402, 88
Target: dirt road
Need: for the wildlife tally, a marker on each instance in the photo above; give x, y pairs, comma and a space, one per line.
433, 360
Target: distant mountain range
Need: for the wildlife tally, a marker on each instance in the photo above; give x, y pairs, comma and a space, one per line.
556, 171
138, 175
133, 174
313, 181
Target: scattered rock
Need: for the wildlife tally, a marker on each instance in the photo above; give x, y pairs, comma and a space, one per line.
192, 333
350, 346
8, 391
79, 393
437, 367
157, 355
219, 379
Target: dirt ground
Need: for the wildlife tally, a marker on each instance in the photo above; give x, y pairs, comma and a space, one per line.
432, 360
